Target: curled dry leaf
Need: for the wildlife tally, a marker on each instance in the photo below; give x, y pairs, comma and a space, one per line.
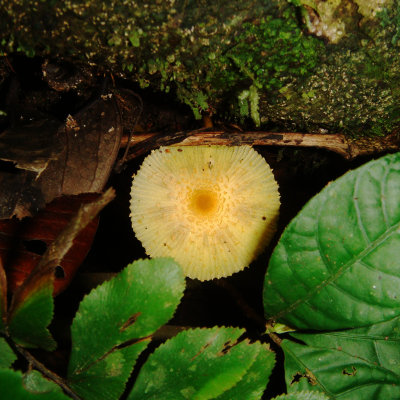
20, 195
31, 146
73, 159
91, 141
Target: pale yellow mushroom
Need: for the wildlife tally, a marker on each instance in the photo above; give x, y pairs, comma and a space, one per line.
211, 208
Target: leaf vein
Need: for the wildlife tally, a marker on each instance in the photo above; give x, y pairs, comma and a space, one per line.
358, 211
311, 292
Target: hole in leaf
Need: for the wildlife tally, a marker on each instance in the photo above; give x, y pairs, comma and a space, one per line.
35, 246
227, 346
59, 272
351, 372
311, 378
296, 378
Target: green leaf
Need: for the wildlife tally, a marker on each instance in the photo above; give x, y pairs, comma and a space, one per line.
13, 386
254, 382
340, 375
201, 364
36, 383
32, 314
378, 344
114, 323
7, 356
302, 396
337, 264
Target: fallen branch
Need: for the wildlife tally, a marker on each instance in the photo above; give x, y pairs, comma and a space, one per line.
347, 148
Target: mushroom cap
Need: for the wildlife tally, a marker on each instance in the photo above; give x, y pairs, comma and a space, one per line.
211, 208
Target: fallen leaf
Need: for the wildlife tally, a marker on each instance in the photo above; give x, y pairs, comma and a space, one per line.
21, 195
44, 162
34, 296
22, 243
3, 297
91, 140
31, 145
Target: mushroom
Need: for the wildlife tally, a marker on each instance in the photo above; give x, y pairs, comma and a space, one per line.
211, 208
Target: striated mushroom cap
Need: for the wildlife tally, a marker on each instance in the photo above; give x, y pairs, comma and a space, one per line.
211, 208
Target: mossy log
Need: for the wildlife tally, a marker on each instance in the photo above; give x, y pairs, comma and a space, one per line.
304, 65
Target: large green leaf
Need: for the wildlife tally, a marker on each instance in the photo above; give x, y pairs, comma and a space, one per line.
344, 375
7, 356
337, 264
204, 364
377, 344
114, 323
13, 386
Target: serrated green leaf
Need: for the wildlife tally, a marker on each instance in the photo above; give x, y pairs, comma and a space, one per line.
336, 265
254, 382
338, 374
29, 319
7, 356
196, 364
13, 387
302, 396
113, 324
36, 383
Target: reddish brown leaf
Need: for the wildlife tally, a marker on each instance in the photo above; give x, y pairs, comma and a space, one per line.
23, 242
3, 296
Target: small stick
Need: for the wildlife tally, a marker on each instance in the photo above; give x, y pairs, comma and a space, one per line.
338, 143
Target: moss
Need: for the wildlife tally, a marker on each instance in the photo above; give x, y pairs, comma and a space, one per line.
199, 50
256, 58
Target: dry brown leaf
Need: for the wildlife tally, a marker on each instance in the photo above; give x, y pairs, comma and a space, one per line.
91, 142
77, 158
32, 145
20, 195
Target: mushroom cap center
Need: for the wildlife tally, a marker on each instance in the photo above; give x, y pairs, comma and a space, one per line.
203, 202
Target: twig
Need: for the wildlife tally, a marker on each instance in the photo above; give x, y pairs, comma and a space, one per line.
51, 375
151, 141
338, 143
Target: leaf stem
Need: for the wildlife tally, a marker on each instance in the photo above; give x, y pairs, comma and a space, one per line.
275, 338
49, 374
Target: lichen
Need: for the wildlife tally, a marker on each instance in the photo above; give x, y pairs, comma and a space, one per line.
355, 89
335, 19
